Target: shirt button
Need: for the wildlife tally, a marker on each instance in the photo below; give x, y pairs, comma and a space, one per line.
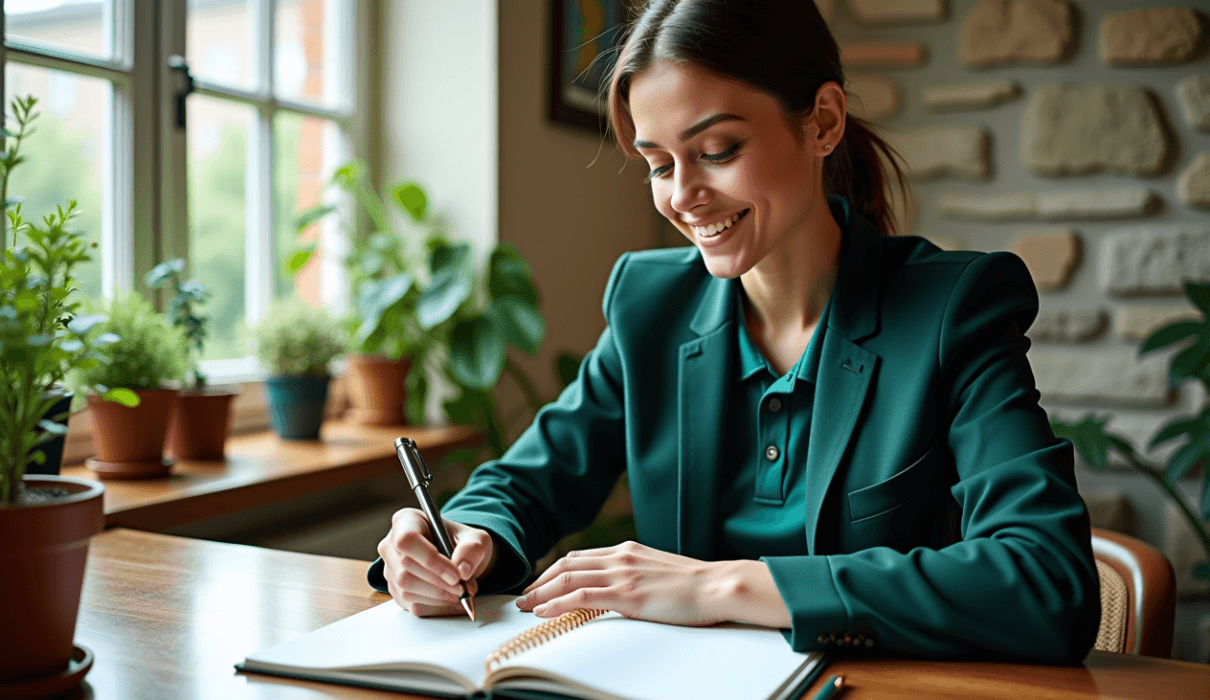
771, 453
775, 405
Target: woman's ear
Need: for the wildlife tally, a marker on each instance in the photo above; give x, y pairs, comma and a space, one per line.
831, 109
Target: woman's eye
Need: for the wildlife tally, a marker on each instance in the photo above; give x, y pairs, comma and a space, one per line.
710, 157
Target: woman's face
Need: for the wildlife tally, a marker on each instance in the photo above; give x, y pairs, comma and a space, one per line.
719, 149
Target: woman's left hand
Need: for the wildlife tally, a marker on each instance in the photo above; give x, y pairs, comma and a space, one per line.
630, 578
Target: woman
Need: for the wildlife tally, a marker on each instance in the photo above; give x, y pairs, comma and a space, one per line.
825, 430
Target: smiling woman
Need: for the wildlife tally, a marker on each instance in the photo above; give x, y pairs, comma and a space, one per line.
825, 429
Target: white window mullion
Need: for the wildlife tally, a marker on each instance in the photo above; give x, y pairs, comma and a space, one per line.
258, 262
117, 229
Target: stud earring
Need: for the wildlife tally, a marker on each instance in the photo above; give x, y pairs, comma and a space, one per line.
827, 147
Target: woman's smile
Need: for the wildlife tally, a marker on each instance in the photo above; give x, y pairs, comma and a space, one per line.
718, 233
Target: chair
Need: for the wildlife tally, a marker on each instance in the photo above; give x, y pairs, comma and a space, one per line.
1138, 595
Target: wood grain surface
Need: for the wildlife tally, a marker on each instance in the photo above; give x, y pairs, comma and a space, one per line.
169, 617
262, 468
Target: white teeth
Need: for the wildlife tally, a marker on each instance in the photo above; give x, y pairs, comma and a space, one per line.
715, 229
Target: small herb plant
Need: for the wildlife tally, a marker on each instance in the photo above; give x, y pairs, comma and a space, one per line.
1093, 442
146, 353
297, 339
182, 311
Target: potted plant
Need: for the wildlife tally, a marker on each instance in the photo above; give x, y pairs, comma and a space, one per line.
385, 372
1093, 442
46, 519
201, 418
148, 358
296, 343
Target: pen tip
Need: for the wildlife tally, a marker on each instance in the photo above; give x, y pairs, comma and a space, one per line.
468, 604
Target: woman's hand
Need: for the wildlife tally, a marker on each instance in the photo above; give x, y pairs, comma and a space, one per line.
419, 578
634, 580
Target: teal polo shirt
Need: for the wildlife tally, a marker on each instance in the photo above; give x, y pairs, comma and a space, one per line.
762, 501
763, 495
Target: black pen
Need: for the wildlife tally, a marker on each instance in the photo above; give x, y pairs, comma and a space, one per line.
419, 478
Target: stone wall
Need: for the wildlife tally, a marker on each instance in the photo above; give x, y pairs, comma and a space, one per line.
1076, 134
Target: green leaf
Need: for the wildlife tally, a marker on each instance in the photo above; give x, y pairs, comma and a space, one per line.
39, 341
453, 279
417, 385
522, 324
477, 353
1188, 455
567, 367
467, 409
375, 298
1170, 334
348, 175
1190, 361
126, 397
412, 199
508, 273
1206, 499
298, 260
162, 272
81, 325
1088, 437
106, 338
1199, 294
1201, 570
310, 216
1176, 429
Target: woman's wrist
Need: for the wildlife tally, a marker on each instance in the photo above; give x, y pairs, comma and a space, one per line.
744, 591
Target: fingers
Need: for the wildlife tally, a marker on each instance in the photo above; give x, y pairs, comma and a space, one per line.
472, 550
563, 584
419, 578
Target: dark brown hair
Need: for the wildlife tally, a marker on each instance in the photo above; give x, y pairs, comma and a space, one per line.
782, 47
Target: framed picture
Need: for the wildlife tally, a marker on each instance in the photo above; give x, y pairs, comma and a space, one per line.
584, 39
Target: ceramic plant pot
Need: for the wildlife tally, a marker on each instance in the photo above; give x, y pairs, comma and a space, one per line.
297, 405
53, 448
44, 550
201, 421
377, 389
130, 440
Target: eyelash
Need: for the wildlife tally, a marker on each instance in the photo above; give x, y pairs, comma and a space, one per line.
716, 158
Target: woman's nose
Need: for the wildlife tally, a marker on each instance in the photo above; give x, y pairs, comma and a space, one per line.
688, 192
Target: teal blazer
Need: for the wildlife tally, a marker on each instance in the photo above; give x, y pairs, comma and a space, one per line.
942, 517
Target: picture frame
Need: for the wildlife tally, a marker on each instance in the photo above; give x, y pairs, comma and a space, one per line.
583, 42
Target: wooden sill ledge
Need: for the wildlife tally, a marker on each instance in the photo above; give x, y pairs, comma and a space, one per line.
261, 468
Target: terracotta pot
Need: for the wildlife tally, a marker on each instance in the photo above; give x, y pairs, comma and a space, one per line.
377, 389
201, 421
130, 440
44, 550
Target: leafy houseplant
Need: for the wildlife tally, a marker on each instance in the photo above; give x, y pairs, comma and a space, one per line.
1093, 442
147, 354
458, 322
385, 373
296, 342
46, 519
201, 419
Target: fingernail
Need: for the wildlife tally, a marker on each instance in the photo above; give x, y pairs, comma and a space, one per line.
521, 602
540, 610
465, 569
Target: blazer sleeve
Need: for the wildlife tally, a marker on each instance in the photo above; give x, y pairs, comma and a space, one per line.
1021, 583
556, 476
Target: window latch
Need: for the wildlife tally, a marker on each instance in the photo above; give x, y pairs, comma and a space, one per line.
178, 64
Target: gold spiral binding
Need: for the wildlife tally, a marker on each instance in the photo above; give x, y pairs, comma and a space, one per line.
539, 635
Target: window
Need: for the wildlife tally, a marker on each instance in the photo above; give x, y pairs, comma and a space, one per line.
214, 174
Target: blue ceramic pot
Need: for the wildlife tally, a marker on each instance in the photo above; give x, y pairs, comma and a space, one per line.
53, 448
296, 405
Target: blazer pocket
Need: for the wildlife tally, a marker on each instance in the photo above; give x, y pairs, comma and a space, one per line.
885, 495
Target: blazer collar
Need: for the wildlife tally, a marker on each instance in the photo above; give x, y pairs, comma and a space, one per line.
854, 312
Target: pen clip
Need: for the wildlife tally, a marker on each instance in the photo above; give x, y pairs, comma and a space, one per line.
415, 454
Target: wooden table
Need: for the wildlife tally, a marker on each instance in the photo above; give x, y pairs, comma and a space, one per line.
169, 617
262, 468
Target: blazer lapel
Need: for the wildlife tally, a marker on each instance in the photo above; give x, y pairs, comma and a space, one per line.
845, 368
703, 384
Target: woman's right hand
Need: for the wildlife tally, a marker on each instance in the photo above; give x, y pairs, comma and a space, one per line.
419, 578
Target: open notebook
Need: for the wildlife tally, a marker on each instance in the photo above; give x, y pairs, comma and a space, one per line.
605, 657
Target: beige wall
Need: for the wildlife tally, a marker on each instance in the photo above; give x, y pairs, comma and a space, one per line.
563, 202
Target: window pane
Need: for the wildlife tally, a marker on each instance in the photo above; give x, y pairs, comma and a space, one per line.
217, 169
80, 27
65, 155
303, 150
311, 49
220, 42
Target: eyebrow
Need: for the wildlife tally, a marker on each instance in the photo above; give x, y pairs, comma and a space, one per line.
695, 129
